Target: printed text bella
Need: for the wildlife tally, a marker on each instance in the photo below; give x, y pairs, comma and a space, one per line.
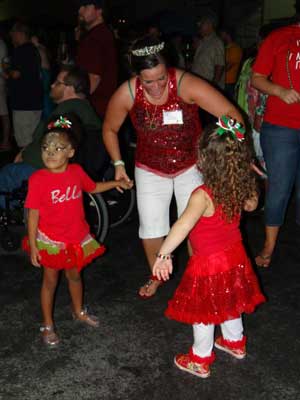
71, 194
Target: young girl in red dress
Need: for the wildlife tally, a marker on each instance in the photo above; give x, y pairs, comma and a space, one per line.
58, 235
218, 284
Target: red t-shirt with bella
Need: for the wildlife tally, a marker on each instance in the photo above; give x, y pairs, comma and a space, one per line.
271, 61
97, 55
58, 197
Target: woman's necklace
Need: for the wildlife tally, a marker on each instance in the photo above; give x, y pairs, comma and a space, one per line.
151, 118
288, 69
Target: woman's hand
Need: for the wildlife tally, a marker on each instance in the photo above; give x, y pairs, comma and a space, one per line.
162, 268
121, 175
289, 96
35, 256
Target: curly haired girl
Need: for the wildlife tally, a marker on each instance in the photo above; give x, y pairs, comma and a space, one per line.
218, 284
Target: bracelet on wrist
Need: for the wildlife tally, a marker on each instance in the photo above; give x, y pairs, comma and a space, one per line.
118, 162
164, 256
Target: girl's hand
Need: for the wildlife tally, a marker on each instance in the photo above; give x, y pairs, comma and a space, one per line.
162, 268
251, 204
35, 257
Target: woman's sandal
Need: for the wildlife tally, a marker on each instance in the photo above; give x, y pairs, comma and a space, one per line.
49, 336
147, 285
263, 260
85, 318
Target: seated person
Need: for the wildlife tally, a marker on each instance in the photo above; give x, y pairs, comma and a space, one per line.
69, 92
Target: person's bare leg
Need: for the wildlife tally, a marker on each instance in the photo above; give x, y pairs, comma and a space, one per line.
263, 259
75, 289
50, 279
151, 247
76, 293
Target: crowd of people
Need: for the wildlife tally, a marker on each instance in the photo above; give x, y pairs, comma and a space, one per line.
67, 127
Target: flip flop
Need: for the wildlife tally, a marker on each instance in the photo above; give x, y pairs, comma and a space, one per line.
266, 260
148, 284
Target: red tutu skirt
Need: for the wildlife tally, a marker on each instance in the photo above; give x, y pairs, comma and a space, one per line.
216, 288
59, 255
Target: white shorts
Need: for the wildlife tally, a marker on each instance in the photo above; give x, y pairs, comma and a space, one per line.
154, 195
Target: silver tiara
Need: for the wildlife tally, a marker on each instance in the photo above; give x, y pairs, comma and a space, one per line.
148, 50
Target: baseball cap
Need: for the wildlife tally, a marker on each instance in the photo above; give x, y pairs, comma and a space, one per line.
96, 3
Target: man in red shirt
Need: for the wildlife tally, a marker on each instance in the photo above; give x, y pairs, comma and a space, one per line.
97, 54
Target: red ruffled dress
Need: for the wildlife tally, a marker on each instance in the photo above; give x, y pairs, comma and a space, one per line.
219, 283
63, 237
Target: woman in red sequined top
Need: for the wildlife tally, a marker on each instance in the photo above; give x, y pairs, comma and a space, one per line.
218, 284
163, 105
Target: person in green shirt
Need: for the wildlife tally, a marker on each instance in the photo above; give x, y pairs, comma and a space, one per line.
69, 92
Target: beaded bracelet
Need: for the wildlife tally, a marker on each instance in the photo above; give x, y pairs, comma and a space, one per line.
164, 256
118, 162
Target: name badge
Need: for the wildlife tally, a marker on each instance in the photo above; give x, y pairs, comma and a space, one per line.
172, 117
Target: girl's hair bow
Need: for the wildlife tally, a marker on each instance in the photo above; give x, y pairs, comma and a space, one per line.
61, 122
227, 124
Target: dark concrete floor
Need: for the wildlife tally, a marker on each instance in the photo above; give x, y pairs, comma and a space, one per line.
131, 355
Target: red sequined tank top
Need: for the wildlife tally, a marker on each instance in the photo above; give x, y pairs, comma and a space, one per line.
165, 149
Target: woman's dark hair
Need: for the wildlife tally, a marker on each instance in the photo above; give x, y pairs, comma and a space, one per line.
139, 63
225, 164
73, 134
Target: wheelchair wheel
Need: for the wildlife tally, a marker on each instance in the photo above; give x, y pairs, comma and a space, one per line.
119, 205
96, 214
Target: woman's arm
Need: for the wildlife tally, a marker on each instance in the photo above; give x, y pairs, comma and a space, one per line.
262, 83
117, 110
33, 220
196, 90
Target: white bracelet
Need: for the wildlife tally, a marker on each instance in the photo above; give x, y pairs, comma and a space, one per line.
118, 162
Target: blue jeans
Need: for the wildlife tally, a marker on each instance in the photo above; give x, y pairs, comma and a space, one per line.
281, 150
12, 176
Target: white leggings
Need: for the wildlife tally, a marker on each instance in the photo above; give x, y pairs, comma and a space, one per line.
204, 335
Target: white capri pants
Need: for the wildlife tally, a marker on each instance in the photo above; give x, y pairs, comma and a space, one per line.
154, 195
232, 330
